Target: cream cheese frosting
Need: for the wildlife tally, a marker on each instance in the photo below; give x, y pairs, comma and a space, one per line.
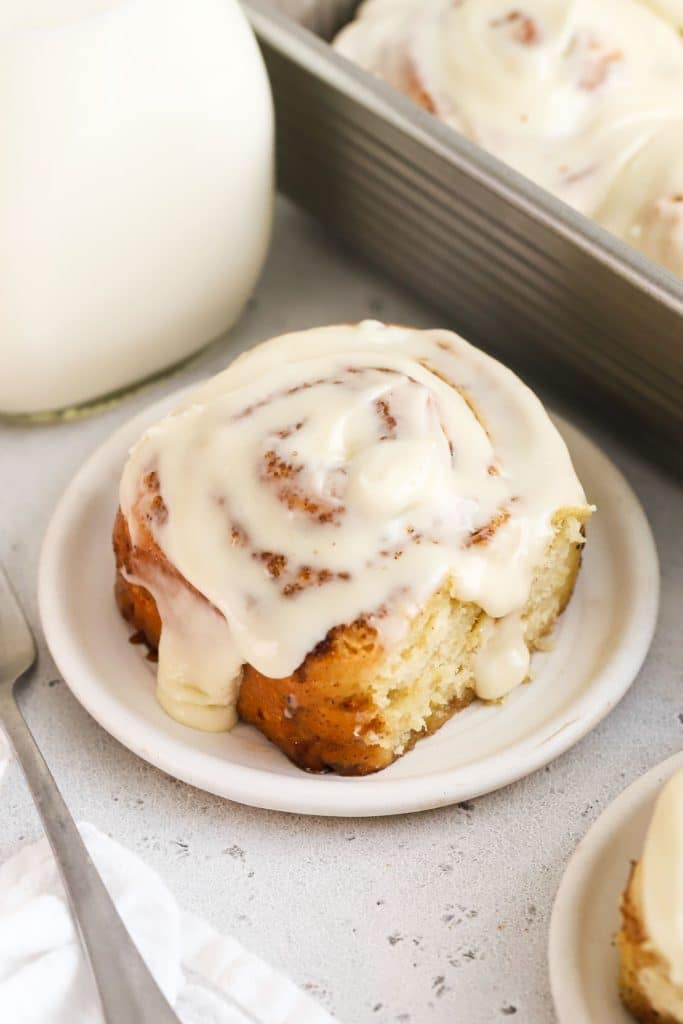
336, 473
661, 877
571, 93
672, 10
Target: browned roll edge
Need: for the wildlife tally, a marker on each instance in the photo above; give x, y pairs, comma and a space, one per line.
312, 714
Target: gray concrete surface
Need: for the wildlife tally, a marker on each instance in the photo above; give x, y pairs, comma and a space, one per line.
434, 918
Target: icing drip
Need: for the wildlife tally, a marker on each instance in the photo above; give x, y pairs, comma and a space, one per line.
502, 661
337, 473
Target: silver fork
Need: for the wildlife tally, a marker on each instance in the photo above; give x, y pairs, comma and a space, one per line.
128, 992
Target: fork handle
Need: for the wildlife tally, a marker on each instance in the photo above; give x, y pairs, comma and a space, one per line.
128, 992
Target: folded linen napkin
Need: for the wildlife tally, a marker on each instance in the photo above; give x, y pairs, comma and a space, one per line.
209, 978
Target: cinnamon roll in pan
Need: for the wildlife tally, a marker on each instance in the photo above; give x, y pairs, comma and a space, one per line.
344, 538
584, 98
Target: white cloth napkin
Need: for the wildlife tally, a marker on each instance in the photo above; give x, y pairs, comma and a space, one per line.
209, 978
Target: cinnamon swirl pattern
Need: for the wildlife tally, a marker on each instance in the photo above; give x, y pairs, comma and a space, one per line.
334, 479
584, 98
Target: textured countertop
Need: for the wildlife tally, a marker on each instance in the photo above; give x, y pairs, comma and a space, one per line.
435, 917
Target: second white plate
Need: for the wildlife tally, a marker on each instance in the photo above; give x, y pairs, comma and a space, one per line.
582, 957
599, 647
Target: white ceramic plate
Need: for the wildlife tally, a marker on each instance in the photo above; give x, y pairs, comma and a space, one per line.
600, 644
583, 961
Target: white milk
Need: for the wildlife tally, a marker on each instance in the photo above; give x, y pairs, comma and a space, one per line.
136, 189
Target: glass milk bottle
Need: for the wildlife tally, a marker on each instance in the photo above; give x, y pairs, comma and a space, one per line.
136, 186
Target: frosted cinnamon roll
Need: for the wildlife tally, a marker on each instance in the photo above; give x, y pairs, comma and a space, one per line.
345, 537
645, 206
569, 92
650, 941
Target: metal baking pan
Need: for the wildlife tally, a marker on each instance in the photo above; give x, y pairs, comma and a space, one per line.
515, 270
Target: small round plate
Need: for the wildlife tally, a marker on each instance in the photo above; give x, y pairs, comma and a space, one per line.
599, 646
583, 960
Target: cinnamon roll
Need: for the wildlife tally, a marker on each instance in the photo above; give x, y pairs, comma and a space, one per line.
650, 941
577, 95
346, 536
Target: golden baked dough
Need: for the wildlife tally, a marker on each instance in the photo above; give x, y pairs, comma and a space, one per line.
352, 707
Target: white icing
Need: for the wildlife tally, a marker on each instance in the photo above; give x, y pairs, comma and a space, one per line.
568, 92
199, 673
662, 877
342, 472
503, 659
665, 998
672, 10
653, 183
